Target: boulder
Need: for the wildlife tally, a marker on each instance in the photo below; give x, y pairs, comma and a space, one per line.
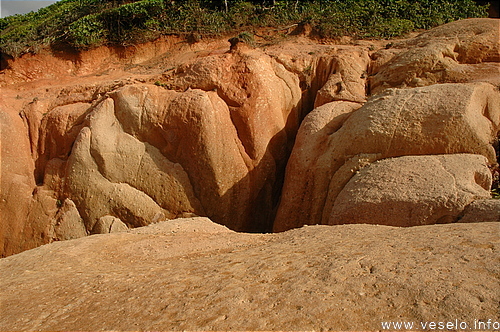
460, 51
109, 224
412, 190
347, 78
68, 224
438, 119
482, 210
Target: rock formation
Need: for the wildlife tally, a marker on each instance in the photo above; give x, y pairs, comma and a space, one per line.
130, 148
109, 140
413, 190
332, 146
192, 274
458, 52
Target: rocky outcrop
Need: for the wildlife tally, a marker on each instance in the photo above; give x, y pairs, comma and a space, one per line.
101, 148
438, 119
191, 274
412, 191
461, 51
254, 87
110, 172
25, 213
482, 210
213, 145
152, 153
347, 78
115, 157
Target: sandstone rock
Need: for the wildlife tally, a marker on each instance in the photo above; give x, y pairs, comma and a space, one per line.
68, 224
216, 144
439, 119
170, 277
184, 152
57, 132
347, 80
213, 128
254, 86
109, 224
148, 153
413, 190
31, 136
307, 163
460, 51
104, 165
482, 210
16, 184
195, 131
326, 73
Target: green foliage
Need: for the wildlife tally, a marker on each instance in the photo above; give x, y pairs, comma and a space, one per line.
87, 31
88, 23
158, 83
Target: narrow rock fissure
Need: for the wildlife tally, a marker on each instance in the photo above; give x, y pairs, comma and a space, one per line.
306, 105
495, 187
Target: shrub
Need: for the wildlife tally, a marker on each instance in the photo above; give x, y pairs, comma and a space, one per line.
87, 31
88, 23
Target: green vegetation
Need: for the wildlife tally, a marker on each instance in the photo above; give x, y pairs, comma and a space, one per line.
84, 24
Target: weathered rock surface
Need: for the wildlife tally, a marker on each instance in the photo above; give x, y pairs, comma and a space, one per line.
347, 79
90, 146
109, 224
25, 213
203, 150
112, 173
438, 119
68, 224
482, 210
348, 277
461, 51
255, 87
87, 136
57, 132
413, 190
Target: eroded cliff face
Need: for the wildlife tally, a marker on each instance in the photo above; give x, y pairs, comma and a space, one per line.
115, 139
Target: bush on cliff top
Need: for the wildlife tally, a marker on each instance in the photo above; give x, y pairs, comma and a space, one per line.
88, 23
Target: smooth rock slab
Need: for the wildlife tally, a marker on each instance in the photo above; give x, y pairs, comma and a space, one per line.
199, 276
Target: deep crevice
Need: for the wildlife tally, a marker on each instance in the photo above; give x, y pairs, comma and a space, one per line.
495, 169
